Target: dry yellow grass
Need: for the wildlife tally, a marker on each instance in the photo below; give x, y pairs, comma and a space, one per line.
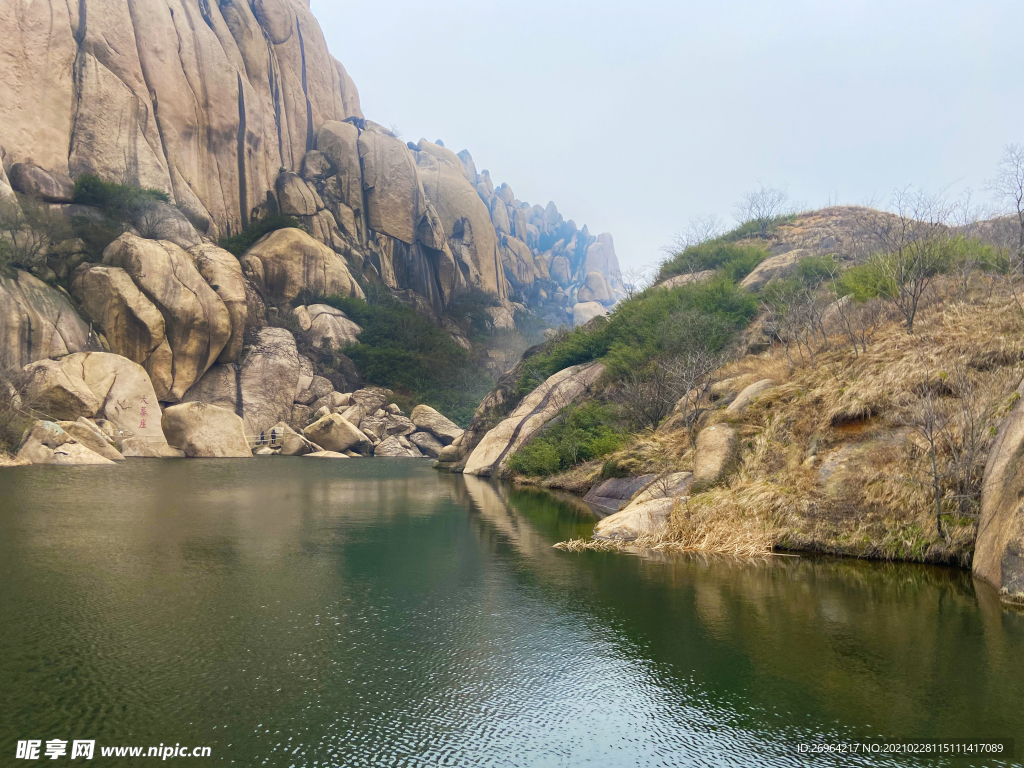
6, 460
851, 410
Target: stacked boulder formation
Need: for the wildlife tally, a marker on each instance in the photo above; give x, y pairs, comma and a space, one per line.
251, 116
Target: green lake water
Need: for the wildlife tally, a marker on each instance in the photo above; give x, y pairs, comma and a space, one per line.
297, 612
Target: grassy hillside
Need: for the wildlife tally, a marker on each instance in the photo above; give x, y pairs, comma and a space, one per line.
872, 438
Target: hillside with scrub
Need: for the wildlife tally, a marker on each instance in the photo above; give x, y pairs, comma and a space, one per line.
832, 381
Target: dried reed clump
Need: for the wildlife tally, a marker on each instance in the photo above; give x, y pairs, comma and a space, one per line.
6, 460
744, 520
592, 545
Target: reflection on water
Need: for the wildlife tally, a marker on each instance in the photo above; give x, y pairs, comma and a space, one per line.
288, 612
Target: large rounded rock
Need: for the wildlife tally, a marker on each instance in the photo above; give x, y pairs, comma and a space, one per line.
36, 322
999, 550
296, 196
290, 442
104, 385
774, 267
131, 323
161, 221
646, 518
222, 271
429, 420
466, 224
57, 389
198, 325
395, 201
334, 433
584, 312
288, 261
339, 142
89, 435
206, 431
48, 443
270, 377
397, 447
427, 443
749, 395
266, 381
716, 454
490, 457
48, 186
596, 288
325, 325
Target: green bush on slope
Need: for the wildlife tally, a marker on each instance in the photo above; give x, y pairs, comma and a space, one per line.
733, 261
120, 202
652, 324
246, 239
580, 434
401, 350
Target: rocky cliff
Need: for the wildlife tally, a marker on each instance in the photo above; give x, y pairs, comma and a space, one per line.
237, 111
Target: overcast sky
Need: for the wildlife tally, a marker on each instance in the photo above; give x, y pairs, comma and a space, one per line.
633, 117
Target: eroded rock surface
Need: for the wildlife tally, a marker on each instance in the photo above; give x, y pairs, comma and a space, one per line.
491, 456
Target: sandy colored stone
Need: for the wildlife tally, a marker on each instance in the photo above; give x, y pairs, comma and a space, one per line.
716, 453
999, 551
749, 395
266, 381
326, 455
648, 518
198, 324
36, 322
317, 388
222, 271
774, 267
596, 288
427, 443
334, 433
48, 186
288, 261
91, 437
325, 325
48, 443
584, 312
395, 200
206, 431
677, 281
396, 447
490, 457
429, 420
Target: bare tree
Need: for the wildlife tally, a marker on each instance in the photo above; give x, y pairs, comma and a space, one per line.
1008, 186
795, 315
857, 321
699, 229
693, 374
915, 246
155, 220
28, 229
635, 280
953, 420
650, 394
763, 206
931, 423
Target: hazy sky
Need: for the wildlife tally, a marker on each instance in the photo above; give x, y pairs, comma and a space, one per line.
635, 116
